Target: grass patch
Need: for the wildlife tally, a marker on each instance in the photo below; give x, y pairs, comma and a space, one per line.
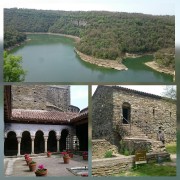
108, 154
150, 170
171, 148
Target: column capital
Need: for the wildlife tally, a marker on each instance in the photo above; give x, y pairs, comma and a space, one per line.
32, 138
19, 139
58, 137
45, 138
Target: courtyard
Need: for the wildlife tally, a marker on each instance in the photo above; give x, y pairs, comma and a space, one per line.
16, 166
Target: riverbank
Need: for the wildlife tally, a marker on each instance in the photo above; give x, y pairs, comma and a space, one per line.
76, 38
16, 45
154, 65
101, 62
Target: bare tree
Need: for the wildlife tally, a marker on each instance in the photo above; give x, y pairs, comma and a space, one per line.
170, 92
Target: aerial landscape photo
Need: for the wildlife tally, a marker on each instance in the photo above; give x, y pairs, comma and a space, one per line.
89, 42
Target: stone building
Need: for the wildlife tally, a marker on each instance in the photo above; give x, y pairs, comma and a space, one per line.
39, 118
123, 114
50, 97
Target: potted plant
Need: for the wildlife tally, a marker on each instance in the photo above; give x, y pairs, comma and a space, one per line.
70, 154
49, 154
41, 171
66, 157
85, 174
28, 160
26, 156
85, 155
32, 166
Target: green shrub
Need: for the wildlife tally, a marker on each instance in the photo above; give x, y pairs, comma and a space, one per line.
126, 152
108, 154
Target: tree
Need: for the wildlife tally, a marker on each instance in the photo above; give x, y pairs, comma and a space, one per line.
13, 71
170, 92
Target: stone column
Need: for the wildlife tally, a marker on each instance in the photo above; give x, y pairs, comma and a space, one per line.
19, 146
45, 141
32, 144
58, 138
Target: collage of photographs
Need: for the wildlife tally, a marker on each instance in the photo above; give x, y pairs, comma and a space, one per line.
89, 88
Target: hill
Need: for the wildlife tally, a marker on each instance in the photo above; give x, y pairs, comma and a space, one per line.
105, 35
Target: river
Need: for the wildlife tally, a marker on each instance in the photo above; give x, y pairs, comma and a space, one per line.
51, 58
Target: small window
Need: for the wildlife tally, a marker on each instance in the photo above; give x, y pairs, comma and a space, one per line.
34, 101
153, 111
170, 114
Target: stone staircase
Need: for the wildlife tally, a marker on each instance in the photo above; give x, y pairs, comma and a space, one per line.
135, 135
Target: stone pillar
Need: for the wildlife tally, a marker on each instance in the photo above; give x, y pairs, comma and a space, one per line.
45, 141
58, 138
32, 144
19, 146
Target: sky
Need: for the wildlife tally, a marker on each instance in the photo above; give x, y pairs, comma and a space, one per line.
79, 96
152, 89
160, 7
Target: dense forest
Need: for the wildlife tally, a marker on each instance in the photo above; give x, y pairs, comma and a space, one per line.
165, 58
12, 37
106, 35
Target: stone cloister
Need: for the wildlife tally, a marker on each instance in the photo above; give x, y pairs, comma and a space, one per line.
35, 131
34, 139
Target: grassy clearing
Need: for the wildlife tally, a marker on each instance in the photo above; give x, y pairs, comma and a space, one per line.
150, 170
171, 148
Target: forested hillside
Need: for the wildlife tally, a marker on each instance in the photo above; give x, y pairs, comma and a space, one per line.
165, 58
106, 35
12, 37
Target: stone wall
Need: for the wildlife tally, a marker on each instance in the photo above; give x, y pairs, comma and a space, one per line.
102, 115
147, 112
41, 97
100, 147
113, 166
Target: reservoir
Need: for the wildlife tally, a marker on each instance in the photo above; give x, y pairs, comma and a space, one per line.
51, 58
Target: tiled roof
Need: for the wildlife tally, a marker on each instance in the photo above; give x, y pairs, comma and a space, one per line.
83, 115
42, 116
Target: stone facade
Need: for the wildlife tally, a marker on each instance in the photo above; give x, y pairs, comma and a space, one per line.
116, 111
41, 97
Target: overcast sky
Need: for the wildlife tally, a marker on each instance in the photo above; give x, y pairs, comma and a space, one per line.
160, 7
152, 89
79, 96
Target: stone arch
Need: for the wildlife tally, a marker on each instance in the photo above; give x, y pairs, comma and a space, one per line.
126, 113
26, 142
52, 142
11, 144
6, 133
64, 139
39, 142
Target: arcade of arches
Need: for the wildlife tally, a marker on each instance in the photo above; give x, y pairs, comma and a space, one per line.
40, 142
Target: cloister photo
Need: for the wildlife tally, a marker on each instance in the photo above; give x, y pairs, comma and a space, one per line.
39, 119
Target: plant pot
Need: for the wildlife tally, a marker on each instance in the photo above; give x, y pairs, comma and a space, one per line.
28, 160
26, 156
66, 160
48, 154
41, 173
70, 155
32, 167
85, 157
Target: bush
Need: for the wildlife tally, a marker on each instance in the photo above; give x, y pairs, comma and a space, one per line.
108, 154
126, 152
